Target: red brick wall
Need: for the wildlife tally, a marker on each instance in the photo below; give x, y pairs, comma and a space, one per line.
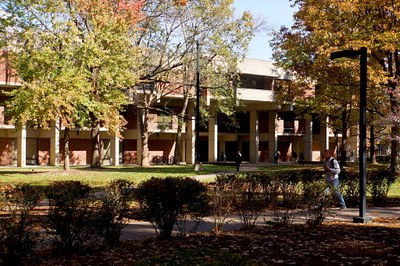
165, 146
162, 148
6, 73
263, 122
80, 151
263, 153
130, 154
43, 151
6, 151
130, 116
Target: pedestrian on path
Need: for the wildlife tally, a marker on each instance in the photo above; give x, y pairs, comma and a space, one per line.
276, 156
238, 160
332, 177
302, 158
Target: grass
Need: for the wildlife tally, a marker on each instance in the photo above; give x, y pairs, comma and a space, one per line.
201, 257
44, 175
41, 176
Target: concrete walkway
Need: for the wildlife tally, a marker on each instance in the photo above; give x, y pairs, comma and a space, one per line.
140, 229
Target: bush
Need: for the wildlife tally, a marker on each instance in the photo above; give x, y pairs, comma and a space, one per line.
163, 201
254, 191
195, 199
351, 188
222, 200
69, 217
17, 235
108, 214
379, 183
290, 190
316, 202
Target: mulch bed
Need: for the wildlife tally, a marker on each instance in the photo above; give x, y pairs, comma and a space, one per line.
333, 243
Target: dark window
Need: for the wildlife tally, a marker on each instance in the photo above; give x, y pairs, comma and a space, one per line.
288, 125
316, 127
255, 82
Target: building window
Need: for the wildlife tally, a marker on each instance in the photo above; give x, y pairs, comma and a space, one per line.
288, 125
255, 82
164, 122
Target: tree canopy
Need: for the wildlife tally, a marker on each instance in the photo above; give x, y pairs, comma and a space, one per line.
74, 59
326, 26
168, 41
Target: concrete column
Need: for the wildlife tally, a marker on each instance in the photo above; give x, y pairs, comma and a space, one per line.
213, 137
254, 136
183, 151
138, 141
273, 135
190, 137
114, 147
21, 147
308, 141
324, 136
54, 143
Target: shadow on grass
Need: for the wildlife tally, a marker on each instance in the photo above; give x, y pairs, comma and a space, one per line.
160, 169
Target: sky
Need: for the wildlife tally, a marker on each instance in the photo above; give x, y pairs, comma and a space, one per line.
275, 13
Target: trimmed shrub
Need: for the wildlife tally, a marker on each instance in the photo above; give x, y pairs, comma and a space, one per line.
222, 199
316, 202
290, 191
379, 183
163, 201
254, 191
351, 188
196, 205
17, 234
69, 217
110, 210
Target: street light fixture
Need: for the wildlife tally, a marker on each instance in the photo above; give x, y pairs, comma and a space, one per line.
362, 55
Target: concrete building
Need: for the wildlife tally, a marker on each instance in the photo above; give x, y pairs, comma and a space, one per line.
265, 126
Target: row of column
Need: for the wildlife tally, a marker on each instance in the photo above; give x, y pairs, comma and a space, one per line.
271, 137
188, 147
55, 147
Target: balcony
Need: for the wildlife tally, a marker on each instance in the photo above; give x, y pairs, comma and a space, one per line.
246, 94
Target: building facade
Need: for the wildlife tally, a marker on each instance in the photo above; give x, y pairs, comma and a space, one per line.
265, 126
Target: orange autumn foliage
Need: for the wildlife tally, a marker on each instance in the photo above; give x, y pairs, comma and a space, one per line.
180, 2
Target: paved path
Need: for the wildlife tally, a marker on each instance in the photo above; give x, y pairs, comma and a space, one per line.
140, 229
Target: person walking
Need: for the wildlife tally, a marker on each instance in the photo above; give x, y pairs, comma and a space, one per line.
302, 156
276, 156
332, 170
238, 160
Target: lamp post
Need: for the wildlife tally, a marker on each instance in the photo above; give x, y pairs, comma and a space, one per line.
197, 125
362, 55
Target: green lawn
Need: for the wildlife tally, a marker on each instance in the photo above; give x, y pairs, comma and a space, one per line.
42, 176
101, 177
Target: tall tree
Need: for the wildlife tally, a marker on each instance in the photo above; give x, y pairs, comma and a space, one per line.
171, 30
74, 59
325, 26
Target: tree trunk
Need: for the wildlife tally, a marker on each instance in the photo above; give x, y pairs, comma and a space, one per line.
66, 149
343, 152
178, 137
372, 154
96, 147
181, 123
144, 132
394, 134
